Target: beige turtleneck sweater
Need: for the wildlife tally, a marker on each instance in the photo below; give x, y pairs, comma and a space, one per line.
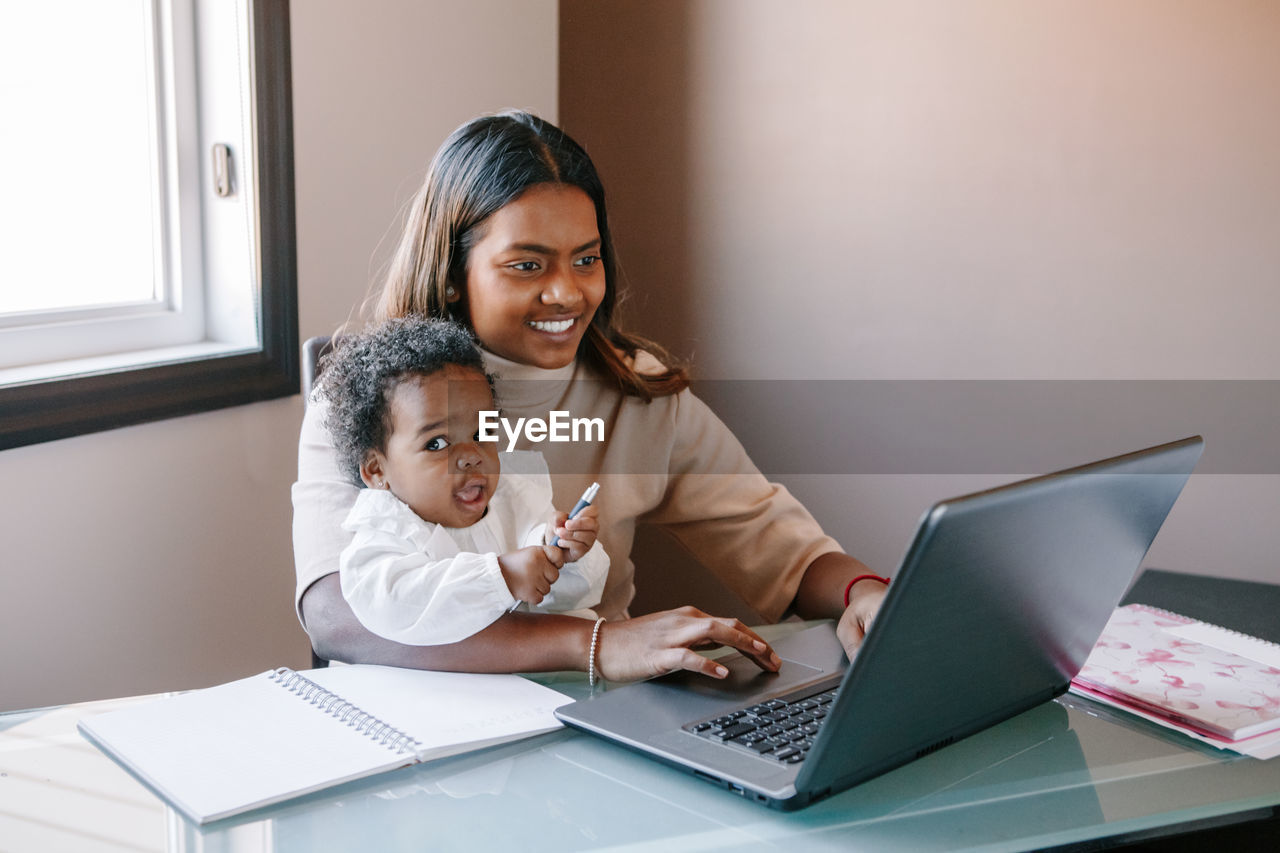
670, 462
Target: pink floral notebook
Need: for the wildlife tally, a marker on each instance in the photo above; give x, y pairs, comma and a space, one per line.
1213, 681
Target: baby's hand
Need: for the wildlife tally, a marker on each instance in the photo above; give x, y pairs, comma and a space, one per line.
577, 535
531, 571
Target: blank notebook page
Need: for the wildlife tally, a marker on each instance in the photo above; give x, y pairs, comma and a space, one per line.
446, 712
247, 743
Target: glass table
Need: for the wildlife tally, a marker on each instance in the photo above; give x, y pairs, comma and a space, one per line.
1067, 773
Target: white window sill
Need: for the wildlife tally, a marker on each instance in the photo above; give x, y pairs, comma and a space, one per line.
13, 376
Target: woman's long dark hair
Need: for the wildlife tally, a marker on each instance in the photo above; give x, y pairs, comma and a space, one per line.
482, 167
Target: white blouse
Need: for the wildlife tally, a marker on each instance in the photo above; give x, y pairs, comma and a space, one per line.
424, 584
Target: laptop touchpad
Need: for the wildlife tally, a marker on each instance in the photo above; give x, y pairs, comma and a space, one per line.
745, 678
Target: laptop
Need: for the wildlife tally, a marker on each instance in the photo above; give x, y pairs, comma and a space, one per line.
997, 603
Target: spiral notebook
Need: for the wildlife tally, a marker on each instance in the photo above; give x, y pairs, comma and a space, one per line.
225, 750
1206, 679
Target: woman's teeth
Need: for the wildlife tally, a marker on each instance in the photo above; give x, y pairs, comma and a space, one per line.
551, 325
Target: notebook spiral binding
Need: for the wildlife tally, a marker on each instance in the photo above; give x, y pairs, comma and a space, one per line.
1167, 614
344, 712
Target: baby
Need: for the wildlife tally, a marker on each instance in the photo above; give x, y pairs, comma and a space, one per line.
444, 543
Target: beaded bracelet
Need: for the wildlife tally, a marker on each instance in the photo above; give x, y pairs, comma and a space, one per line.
848, 589
591, 658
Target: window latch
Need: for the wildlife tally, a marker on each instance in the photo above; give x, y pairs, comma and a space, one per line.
222, 170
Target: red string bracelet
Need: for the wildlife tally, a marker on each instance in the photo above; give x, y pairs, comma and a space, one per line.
848, 589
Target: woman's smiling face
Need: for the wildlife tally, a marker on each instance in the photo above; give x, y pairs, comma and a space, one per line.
534, 278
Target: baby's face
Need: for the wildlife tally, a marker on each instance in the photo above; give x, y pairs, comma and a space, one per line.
433, 460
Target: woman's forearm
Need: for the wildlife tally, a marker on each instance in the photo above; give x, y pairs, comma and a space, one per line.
539, 642
517, 642
821, 592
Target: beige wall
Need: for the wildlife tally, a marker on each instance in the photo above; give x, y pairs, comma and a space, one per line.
158, 557
982, 190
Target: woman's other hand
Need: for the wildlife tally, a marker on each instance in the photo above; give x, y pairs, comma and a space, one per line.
822, 595
864, 603
664, 642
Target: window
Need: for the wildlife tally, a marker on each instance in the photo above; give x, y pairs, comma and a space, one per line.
148, 267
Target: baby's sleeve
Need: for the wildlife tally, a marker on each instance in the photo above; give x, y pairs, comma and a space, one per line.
402, 594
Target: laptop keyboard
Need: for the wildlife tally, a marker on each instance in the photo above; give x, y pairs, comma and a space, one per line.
778, 729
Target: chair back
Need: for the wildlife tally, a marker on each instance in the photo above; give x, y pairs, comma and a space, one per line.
312, 349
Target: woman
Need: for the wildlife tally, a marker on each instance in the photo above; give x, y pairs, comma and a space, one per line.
509, 235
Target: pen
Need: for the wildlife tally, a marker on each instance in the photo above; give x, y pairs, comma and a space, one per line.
583, 502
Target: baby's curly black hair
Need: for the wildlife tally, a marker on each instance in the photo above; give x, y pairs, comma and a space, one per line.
360, 372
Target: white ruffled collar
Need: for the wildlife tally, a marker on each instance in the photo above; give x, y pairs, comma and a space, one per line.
379, 509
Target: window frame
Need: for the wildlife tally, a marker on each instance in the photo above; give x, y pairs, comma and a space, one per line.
56, 408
